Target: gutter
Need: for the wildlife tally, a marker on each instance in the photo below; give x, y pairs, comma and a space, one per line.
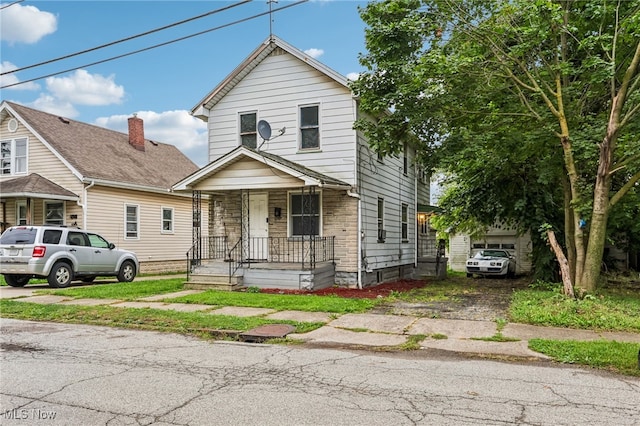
85, 204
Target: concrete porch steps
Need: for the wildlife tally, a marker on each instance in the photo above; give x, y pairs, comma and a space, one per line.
213, 282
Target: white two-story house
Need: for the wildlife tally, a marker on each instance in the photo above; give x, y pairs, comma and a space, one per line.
297, 197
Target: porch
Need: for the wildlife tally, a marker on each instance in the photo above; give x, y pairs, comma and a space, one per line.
266, 262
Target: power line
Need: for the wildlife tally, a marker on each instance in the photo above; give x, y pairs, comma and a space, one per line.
175, 24
156, 45
4, 6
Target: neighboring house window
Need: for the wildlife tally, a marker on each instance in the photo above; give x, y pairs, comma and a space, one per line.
131, 221
167, 220
380, 158
405, 161
304, 214
54, 212
405, 223
382, 234
309, 127
21, 212
14, 156
248, 129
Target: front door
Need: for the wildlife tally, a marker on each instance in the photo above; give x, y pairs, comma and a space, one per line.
258, 226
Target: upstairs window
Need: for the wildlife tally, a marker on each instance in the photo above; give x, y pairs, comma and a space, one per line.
309, 127
382, 234
14, 156
405, 161
248, 130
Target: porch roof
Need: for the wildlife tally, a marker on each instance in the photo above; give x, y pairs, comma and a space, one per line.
278, 173
35, 186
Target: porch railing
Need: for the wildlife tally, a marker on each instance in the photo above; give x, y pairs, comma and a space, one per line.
306, 251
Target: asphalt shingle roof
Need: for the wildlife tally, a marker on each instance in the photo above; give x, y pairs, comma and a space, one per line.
34, 184
99, 153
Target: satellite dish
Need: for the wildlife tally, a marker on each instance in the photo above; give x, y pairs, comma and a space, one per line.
264, 129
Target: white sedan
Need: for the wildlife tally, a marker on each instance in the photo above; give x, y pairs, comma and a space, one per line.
492, 262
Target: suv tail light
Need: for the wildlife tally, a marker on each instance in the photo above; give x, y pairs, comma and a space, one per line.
39, 251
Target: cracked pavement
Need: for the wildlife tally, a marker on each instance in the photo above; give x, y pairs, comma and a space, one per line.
71, 374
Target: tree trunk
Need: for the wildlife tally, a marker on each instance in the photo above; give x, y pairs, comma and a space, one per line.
568, 228
564, 264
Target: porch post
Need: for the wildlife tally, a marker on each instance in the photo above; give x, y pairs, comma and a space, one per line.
196, 229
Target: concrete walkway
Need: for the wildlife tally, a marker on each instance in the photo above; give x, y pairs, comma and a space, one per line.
361, 330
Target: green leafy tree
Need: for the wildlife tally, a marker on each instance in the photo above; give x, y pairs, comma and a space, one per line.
550, 86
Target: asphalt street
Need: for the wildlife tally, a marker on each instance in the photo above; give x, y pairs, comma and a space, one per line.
63, 374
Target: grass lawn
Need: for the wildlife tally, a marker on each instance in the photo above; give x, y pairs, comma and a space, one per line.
281, 302
609, 310
147, 319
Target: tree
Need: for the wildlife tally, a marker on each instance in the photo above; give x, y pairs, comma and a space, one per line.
560, 76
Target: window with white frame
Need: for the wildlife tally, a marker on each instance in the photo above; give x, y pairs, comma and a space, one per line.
13, 156
54, 212
309, 127
167, 220
304, 214
405, 161
405, 222
248, 129
131, 221
21, 212
382, 234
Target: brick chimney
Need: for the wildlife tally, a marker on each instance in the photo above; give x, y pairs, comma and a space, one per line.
136, 132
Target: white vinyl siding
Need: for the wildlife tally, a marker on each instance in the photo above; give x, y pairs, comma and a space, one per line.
106, 212
276, 89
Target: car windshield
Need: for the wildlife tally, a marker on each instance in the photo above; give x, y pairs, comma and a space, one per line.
492, 253
18, 236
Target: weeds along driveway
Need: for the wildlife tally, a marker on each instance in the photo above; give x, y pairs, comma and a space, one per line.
480, 299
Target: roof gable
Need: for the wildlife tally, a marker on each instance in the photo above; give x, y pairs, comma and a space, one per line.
96, 153
251, 62
276, 172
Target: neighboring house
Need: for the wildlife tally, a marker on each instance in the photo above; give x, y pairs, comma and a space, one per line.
64, 172
311, 205
462, 246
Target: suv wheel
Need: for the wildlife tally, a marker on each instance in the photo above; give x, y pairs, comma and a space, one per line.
61, 275
17, 280
127, 271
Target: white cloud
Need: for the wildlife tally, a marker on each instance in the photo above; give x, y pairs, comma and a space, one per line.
86, 89
9, 79
314, 53
353, 76
25, 24
177, 127
55, 106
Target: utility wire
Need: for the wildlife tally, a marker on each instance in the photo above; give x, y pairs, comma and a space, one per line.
10, 4
175, 24
156, 45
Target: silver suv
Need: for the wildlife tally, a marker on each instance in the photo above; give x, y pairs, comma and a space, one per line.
61, 255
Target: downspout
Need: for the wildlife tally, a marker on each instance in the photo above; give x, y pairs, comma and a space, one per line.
415, 216
359, 238
85, 204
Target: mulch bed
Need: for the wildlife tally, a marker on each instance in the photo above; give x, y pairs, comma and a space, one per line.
380, 290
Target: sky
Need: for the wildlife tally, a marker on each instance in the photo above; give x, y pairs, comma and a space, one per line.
160, 85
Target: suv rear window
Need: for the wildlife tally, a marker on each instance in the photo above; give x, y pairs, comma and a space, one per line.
19, 236
51, 236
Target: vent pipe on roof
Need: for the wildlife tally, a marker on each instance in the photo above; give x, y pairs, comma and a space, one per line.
136, 132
